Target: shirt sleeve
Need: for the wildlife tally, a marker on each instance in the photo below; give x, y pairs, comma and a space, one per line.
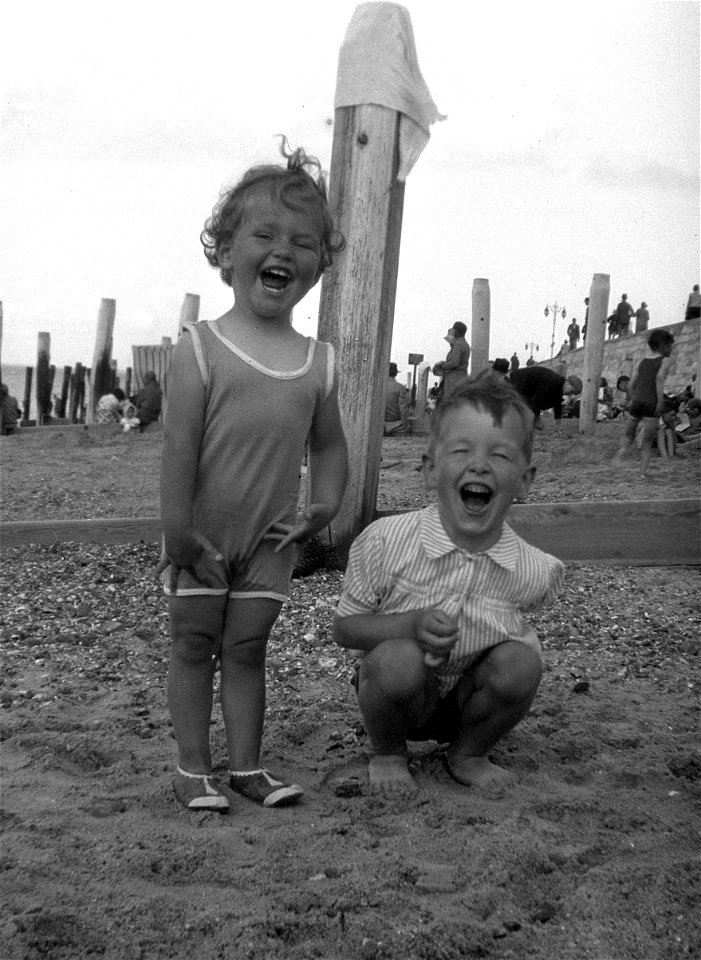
550, 581
362, 583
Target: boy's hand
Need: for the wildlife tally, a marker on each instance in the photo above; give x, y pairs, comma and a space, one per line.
436, 633
188, 551
315, 517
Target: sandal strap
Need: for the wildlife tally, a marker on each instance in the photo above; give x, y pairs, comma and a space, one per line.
204, 777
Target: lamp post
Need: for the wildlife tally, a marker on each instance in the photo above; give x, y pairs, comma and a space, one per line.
532, 346
556, 310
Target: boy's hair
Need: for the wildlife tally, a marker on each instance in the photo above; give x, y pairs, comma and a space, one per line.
460, 328
494, 395
659, 338
298, 183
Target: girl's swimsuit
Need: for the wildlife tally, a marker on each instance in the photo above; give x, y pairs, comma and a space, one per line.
256, 425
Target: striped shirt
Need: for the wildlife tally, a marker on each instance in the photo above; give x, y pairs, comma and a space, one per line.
408, 562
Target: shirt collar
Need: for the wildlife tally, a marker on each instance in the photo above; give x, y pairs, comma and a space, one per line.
436, 542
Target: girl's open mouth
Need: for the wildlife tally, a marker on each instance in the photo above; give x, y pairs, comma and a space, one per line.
475, 497
274, 278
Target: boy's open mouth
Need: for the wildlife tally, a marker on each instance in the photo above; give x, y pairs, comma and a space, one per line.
475, 496
275, 278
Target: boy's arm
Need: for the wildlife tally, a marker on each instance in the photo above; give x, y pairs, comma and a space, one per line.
182, 436
434, 631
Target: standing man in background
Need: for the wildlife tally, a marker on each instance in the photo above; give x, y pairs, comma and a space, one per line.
454, 368
396, 404
642, 318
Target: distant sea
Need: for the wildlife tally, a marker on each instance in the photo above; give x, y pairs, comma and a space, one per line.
13, 375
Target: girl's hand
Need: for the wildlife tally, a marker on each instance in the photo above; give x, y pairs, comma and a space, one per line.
436, 633
315, 517
190, 550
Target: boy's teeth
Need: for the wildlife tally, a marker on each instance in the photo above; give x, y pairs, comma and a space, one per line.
475, 488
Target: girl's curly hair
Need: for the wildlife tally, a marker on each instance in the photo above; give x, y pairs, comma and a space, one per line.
298, 183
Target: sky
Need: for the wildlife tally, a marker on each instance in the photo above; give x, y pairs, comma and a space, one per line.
571, 147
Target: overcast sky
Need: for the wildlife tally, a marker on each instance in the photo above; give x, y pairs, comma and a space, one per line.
571, 147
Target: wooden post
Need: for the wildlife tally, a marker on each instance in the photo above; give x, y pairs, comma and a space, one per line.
114, 377
481, 313
101, 371
28, 376
189, 312
52, 380
594, 350
65, 387
127, 382
356, 309
43, 385
77, 392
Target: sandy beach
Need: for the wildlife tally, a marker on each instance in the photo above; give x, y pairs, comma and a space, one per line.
593, 855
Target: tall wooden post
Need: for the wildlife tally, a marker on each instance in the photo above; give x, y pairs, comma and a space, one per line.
189, 312
43, 377
28, 376
594, 350
356, 310
481, 314
65, 387
101, 371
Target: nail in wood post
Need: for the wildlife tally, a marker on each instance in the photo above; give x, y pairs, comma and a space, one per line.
101, 376
356, 310
481, 314
189, 312
594, 350
43, 385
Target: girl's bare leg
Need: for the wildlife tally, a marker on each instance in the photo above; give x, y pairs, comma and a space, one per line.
247, 626
195, 629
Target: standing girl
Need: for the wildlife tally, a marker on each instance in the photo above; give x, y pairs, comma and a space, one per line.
246, 393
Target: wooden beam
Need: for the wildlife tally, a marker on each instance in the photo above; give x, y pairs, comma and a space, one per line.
357, 294
617, 533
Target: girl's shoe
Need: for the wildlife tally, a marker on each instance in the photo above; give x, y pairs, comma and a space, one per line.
197, 792
261, 787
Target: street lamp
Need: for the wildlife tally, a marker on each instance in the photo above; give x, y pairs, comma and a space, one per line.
532, 346
556, 310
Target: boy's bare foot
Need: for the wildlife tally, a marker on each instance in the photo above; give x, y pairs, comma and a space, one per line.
478, 772
389, 775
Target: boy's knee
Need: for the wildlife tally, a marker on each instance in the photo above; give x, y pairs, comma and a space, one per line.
513, 671
396, 667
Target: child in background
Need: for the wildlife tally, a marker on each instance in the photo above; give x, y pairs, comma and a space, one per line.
647, 398
435, 598
246, 391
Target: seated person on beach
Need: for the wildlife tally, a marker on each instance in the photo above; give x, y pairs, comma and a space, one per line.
10, 411
396, 404
148, 400
434, 599
109, 407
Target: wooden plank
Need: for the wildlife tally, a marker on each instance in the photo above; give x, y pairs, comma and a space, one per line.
19, 533
614, 532
619, 533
